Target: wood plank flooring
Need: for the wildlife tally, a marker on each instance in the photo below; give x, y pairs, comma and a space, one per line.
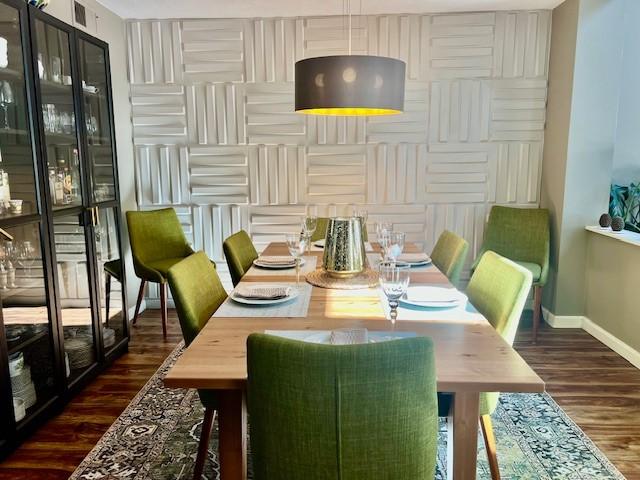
597, 388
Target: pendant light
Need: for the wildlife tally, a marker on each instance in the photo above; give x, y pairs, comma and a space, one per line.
349, 85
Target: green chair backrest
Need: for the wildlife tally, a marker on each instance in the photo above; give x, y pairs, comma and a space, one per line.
498, 289
156, 235
520, 234
320, 232
449, 255
240, 254
197, 293
352, 412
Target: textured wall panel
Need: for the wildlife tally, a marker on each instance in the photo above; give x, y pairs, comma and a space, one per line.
462, 45
409, 126
162, 175
215, 114
213, 50
217, 138
335, 174
271, 117
155, 53
159, 115
521, 44
219, 175
459, 111
518, 109
396, 173
276, 174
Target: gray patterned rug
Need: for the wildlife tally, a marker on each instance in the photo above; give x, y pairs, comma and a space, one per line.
156, 437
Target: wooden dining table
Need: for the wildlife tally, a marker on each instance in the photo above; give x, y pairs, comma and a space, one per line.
470, 358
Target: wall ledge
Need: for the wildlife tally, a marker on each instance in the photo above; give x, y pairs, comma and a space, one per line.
596, 331
625, 236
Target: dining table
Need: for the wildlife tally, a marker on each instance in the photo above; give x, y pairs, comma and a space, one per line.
470, 356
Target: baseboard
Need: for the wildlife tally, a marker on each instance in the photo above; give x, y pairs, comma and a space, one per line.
562, 321
596, 331
614, 343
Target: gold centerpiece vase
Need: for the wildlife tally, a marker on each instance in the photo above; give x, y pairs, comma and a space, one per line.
344, 251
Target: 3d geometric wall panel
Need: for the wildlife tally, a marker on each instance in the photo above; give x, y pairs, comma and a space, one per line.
216, 136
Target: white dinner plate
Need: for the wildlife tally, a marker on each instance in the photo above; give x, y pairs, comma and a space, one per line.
271, 266
420, 264
255, 301
435, 297
319, 243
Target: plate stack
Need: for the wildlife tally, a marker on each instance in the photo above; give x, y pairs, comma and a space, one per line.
109, 337
80, 350
22, 386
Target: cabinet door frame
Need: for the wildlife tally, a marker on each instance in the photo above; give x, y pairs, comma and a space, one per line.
37, 219
82, 212
115, 203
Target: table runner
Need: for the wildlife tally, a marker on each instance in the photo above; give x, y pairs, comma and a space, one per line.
297, 307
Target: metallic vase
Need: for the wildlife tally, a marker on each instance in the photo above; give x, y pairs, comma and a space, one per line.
344, 251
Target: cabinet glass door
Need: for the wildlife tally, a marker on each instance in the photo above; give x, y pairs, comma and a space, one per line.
53, 64
26, 321
95, 96
17, 182
72, 269
107, 247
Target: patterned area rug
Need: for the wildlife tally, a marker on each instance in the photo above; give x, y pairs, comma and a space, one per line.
156, 437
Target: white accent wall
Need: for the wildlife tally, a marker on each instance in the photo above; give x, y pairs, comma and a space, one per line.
216, 137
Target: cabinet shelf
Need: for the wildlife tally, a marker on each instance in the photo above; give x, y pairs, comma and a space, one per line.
31, 339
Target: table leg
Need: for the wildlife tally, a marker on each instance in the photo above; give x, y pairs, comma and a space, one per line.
232, 429
462, 442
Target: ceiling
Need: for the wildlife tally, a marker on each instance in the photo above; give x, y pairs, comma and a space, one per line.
293, 8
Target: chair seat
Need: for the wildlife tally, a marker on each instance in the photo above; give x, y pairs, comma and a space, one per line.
114, 268
534, 268
163, 266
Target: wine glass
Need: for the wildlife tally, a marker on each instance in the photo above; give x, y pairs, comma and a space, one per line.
363, 215
6, 99
309, 225
393, 245
394, 281
26, 256
297, 244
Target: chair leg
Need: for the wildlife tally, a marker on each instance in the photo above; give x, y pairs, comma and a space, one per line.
107, 295
203, 445
163, 308
537, 311
490, 445
143, 283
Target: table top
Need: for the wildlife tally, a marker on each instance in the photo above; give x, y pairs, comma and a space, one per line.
470, 355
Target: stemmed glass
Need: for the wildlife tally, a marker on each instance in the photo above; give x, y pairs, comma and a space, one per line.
394, 281
6, 99
26, 256
297, 244
309, 225
392, 245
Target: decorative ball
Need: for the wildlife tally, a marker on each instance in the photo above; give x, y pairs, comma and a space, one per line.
605, 220
617, 224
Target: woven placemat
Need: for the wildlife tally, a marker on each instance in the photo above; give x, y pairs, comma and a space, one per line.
366, 279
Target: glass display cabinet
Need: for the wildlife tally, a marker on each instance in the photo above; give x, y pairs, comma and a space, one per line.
62, 315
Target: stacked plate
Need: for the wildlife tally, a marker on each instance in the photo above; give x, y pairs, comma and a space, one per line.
276, 262
80, 351
22, 386
415, 259
263, 294
432, 296
109, 337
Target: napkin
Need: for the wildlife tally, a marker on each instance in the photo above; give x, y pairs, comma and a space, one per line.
256, 292
414, 257
349, 336
276, 260
433, 294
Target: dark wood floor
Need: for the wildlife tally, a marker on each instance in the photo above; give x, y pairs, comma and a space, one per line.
595, 386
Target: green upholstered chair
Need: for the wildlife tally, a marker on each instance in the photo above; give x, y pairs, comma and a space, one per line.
197, 293
498, 289
353, 412
157, 243
321, 230
522, 235
449, 255
240, 254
